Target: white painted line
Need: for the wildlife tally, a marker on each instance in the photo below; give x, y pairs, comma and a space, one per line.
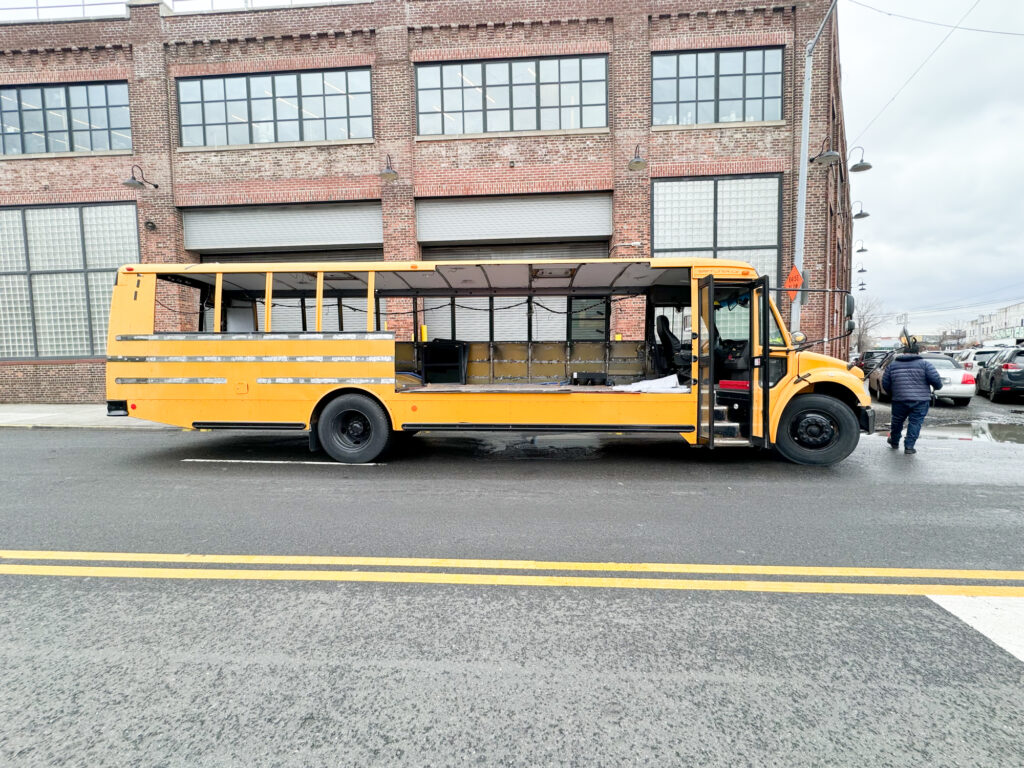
1000, 619
267, 461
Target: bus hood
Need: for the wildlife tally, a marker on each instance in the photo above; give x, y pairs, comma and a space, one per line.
810, 360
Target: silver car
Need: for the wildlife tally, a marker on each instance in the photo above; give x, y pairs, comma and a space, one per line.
957, 384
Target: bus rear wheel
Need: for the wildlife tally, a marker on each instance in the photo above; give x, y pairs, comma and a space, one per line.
354, 429
818, 430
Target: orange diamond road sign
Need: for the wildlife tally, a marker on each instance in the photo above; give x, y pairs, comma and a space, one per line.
793, 282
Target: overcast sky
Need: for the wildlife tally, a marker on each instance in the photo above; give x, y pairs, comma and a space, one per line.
946, 194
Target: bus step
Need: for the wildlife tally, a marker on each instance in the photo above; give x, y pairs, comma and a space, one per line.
721, 413
727, 429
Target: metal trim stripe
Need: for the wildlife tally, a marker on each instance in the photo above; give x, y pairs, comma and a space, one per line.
382, 336
252, 359
172, 381
248, 425
294, 380
469, 427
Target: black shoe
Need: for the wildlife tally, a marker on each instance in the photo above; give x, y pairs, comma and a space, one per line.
895, 446
909, 450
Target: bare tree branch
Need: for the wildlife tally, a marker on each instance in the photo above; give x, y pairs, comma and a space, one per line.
869, 314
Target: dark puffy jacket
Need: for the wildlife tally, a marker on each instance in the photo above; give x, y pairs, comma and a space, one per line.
908, 378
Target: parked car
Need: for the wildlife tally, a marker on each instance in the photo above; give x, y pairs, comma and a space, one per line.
1003, 375
958, 385
974, 359
869, 359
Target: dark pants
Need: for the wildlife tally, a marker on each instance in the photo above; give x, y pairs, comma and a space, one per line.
904, 410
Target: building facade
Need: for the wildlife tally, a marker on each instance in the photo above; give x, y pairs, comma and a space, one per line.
1005, 326
508, 129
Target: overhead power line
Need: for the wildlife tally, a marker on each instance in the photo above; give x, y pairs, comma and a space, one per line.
914, 73
937, 23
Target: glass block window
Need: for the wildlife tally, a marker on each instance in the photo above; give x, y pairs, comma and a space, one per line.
82, 117
269, 108
57, 272
716, 86
512, 95
729, 217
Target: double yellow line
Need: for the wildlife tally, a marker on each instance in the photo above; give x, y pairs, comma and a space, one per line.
840, 580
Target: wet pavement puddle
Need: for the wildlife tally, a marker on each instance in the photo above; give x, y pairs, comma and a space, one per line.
984, 431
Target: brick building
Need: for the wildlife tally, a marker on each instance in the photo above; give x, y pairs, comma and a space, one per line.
510, 125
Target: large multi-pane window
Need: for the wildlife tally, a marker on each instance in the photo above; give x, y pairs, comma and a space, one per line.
517, 95
57, 271
728, 217
325, 105
64, 118
716, 86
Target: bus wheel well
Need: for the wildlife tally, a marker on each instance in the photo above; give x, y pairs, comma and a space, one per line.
838, 391
314, 417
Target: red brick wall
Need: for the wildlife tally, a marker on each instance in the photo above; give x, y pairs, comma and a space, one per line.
52, 381
149, 50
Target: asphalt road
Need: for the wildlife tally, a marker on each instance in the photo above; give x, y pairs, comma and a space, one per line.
106, 668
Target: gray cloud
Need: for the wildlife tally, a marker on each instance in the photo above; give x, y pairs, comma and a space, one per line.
945, 198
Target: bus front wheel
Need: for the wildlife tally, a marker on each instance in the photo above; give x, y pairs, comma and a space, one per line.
817, 430
354, 429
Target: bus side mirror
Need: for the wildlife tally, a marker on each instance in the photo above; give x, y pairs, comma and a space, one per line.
850, 304
799, 337
850, 326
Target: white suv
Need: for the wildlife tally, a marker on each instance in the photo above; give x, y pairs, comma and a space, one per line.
973, 359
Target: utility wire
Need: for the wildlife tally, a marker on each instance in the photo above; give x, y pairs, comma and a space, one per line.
914, 73
937, 23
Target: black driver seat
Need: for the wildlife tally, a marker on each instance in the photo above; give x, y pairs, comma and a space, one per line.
676, 358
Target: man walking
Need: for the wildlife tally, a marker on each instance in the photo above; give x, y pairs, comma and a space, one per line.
910, 380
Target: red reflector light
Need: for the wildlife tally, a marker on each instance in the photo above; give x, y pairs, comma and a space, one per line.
129, 269
968, 379
728, 384
1011, 367
133, 406
968, 366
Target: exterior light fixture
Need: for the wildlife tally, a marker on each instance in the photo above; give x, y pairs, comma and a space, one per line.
140, 182
862, 249
826, 157
862, 288
862, 164
861, 213
861, 270
388, 173
631, 244
637, 163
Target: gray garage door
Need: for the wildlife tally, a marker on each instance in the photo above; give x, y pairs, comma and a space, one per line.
283, 227
514, 218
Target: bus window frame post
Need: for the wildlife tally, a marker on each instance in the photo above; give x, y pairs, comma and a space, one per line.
319, 301
371, 296
218, 294
268, 298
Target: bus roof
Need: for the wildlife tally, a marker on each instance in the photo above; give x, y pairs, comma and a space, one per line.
704, 265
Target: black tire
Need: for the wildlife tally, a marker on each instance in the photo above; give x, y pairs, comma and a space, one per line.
354, 429
817, 430
960, 402
994, 396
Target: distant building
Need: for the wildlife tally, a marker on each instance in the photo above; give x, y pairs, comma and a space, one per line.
510, 128
1003, 326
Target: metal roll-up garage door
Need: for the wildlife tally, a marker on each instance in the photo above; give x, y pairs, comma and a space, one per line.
472, 324
514, 218
359, 254
283, 228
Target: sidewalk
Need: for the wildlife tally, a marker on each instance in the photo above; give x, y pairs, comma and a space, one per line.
92, 416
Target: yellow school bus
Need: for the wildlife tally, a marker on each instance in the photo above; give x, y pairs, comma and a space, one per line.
355, 353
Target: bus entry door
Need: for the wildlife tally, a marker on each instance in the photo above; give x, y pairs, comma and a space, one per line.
705, 379
760, 432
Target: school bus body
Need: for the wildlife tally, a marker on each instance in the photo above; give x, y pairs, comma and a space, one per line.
268, 380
